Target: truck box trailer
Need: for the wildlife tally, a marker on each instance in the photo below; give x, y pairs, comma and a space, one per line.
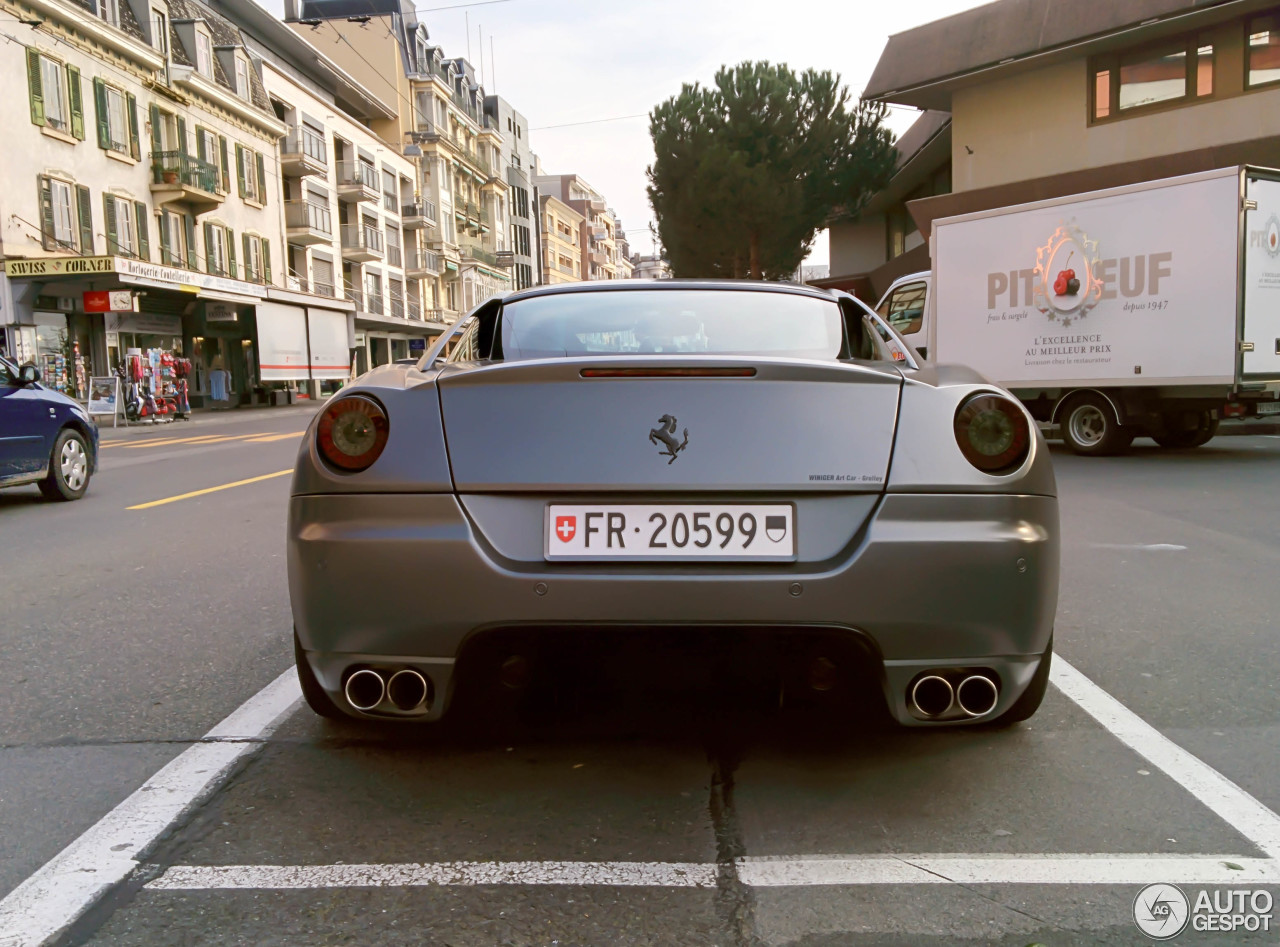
1149, 309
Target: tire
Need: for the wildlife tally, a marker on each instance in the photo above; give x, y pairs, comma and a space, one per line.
1026, 705
1090, 426
69, 467
1182, 439
312, 692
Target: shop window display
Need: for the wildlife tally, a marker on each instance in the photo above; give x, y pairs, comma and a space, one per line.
155, 384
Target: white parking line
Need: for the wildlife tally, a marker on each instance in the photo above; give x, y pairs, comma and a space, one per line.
1007, 869
67, 886
1145, 547
615, 874
766, 872
1232, 804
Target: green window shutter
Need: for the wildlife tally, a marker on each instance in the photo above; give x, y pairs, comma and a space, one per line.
113, 234
231, 253
100, 107
131, 111
226, 164
208, 249
240, 168
262, 179
144, 235
182, 134
156, 144
75, 102
166, 240
189, 225
46, 212
245, 242
84, 209
200, 148
266, 260
35, 87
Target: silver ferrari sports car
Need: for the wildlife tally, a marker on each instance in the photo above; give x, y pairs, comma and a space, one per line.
744, 465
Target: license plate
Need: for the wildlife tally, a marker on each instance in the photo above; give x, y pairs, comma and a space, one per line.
1269, 407
671, 531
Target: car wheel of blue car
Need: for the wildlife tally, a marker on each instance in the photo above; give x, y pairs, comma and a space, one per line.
69, 466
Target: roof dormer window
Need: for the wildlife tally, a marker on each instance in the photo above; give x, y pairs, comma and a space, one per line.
109, 10
204, 54
242, 78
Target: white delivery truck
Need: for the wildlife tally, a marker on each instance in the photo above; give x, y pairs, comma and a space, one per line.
1152, 309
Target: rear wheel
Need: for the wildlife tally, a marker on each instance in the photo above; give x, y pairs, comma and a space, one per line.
68, 476
1176, 437
1026, 705
1090, 426
312, 692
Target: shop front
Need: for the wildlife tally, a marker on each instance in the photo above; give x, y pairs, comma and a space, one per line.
204, 340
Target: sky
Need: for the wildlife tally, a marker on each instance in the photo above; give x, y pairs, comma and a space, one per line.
563, 62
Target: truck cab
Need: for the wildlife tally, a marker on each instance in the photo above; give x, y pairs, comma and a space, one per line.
904, 306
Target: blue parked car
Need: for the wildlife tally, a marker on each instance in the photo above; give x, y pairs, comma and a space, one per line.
45, 437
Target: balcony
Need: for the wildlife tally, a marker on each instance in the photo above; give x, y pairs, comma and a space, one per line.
303, 152
358, 181
355, 296
307, 222
296, 282
436, 315
599, 233
361, 243
599, 258
397, 305
395, 256
498, 258
417, 215
422, 264
567, 270
178, 178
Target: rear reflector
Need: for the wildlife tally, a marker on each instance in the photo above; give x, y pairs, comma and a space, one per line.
668, 373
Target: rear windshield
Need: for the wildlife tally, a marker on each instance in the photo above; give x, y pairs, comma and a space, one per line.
676, 322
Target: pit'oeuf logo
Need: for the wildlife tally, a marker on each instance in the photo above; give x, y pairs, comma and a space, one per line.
1067, 284
1268, 237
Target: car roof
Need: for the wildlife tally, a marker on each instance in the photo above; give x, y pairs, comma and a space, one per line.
632, 285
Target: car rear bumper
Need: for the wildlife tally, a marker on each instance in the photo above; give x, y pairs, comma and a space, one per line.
936, 580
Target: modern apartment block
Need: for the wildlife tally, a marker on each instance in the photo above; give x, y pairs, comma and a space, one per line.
440, 123
599, 251
142, 208
348, 197
561, 229
1031, 99
517, 161
622, 249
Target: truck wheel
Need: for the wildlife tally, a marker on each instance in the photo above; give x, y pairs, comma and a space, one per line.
68, 477
1184, 439
1090, 426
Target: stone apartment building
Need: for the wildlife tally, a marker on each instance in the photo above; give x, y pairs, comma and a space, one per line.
142, 161
597, 231
1030, 99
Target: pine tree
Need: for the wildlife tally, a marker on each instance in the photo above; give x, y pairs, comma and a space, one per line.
747, 171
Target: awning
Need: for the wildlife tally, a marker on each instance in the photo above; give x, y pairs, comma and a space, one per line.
282, 342
330, 336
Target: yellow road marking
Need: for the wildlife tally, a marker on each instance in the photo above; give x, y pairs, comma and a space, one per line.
198, 493
267, 438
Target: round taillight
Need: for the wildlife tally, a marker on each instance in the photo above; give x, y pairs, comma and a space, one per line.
352, 432
993, 433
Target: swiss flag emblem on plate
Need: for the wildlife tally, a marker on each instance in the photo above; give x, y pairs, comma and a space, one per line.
566, 527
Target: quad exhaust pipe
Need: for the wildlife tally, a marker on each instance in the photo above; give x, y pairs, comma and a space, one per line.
406, 690
977, 695
365, 689
933, 696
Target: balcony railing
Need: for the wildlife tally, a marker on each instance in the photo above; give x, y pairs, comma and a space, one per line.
358, 172
423, 261
374, 303
415, 310
424, 209
296, 282
322, 289
478, 253
355, 296
308, 214
436, 315
176, 167
397, 305
362, 237
303, 140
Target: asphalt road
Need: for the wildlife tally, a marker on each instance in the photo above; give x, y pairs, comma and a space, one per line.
714, 819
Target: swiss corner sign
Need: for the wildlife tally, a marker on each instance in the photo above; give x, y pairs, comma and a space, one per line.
1087, 290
